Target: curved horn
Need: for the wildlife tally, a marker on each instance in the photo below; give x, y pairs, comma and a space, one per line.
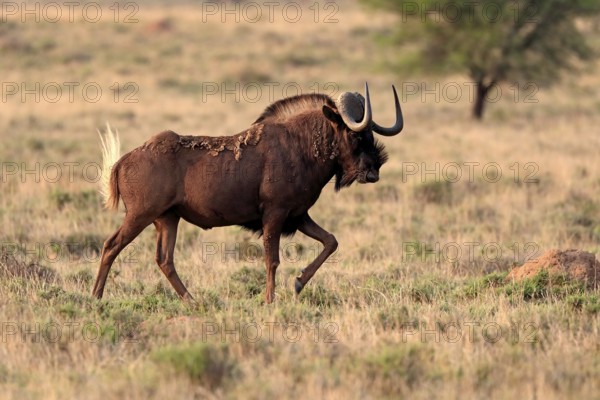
397, 128
349, 120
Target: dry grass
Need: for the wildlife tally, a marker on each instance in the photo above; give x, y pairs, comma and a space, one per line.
381, 318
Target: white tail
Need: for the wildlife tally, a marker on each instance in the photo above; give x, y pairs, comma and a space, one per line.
111, 149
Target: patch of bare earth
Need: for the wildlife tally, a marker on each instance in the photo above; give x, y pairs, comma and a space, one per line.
576, 264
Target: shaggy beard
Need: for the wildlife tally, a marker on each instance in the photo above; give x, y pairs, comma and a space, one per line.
382, 155
345, 178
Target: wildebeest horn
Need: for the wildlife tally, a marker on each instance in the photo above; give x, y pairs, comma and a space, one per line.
349, 104
397, 128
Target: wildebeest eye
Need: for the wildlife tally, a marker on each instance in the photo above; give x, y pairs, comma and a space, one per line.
354, 136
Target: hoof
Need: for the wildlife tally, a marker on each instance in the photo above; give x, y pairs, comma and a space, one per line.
271, 300
189, 300
298, 286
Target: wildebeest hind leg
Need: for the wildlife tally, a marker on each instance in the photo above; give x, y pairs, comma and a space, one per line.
311, 229
132, 226
166, 227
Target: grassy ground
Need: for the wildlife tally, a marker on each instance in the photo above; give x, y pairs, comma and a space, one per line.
414, 302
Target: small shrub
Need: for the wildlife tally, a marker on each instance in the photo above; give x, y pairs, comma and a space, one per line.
397, 368
250, 251
126, 323
482, 213
69, 310
83, 200
252, 75
474, 287
394, 317
60, 198
370, 253
436, 192
4, 374
118, 320
205, 363
584, 302
296, 59
386, 282
387, 193
11, 267
318, 296
52, 292
58, 296
162, 289
543, 285
209, 300
580, 215
166, 302
82, 277
425, 291
596, 233
248, 282
36, 144
86, 245
417, 250
184, 87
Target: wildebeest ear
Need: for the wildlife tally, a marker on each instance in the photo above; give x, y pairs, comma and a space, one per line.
332, 114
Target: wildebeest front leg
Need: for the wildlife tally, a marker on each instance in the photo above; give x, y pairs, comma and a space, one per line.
311, 229
272, 227
166, 227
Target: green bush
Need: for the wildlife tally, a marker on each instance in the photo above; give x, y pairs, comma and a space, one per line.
82, 277
316, 295
585, 302
82, 200
427, 289
543, 285
436, 192
208, 364
475, 286
248, 282
395, 369
13, 267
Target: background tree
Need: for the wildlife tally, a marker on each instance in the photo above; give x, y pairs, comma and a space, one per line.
496, 41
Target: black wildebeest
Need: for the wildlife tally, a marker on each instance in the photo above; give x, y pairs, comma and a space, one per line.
265, 178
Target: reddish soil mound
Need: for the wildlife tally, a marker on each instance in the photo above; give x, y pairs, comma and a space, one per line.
576, 264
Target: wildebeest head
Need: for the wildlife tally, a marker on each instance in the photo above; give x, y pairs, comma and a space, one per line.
361, 155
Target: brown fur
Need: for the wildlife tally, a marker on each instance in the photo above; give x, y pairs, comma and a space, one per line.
292, 106
264, 179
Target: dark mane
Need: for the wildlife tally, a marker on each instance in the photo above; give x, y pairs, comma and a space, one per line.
285, 108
